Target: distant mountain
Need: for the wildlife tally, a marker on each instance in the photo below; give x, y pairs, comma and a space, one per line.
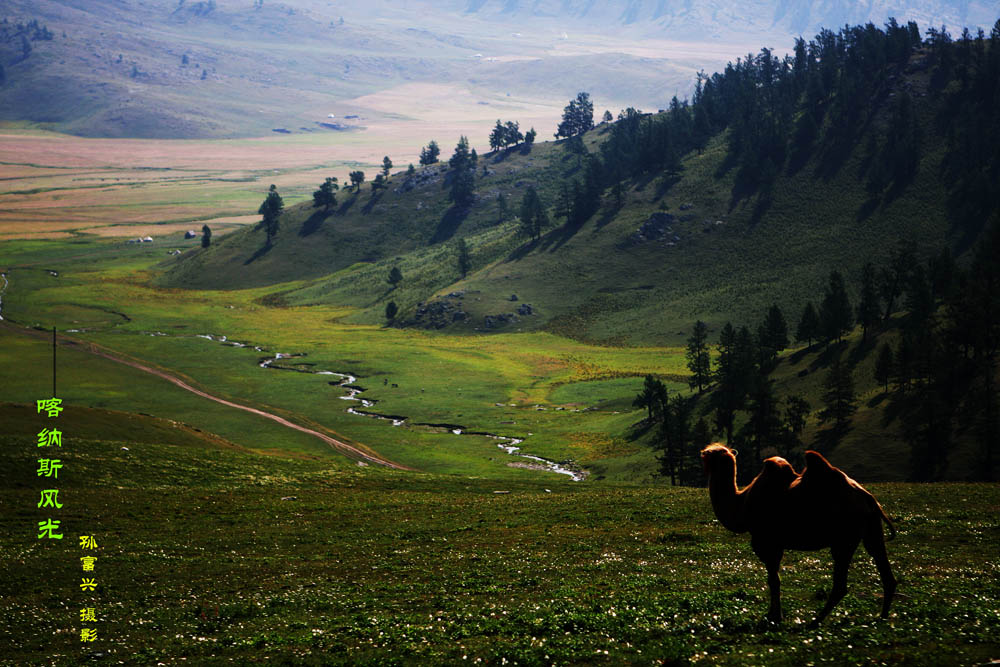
226, 68
747, 17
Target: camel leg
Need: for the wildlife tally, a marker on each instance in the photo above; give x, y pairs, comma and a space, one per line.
842, 556
772, 562
875, 546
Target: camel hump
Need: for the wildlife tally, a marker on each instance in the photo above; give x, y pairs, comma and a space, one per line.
778, 467
817, 465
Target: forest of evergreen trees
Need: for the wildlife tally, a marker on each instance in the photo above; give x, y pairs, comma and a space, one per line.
934, 329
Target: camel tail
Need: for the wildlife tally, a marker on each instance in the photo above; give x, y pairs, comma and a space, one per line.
888, 521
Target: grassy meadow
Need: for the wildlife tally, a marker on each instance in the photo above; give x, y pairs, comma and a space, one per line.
210, 554
226, 537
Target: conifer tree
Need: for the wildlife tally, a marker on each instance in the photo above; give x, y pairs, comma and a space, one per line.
698, 358
395, 276
883, 366
869, 310
430, 153
271, 209
839, 399
835, 313
533, 217
325, 196
808, 329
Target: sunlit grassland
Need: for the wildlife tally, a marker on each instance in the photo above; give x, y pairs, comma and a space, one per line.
210, 554
509, 384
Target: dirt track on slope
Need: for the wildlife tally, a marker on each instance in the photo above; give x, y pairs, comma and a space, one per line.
348, 450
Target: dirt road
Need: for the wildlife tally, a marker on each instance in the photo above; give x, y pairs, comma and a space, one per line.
348, 450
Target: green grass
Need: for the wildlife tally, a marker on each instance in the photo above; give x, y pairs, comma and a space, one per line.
590, 283
512, 385
201, 560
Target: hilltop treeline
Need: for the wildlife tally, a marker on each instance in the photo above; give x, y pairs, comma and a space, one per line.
820, 101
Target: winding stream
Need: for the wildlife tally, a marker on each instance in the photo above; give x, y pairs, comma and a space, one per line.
347, 382
509, 444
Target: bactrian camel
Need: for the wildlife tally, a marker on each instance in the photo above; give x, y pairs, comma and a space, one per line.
821, 508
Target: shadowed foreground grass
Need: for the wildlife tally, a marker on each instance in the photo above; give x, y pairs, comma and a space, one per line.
202, 560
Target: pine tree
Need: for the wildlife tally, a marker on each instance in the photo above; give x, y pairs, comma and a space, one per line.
206, 236
835, 313
578, 117
698, 358
533, 217
460, 158
502, 210
774, 334
391, 310
395, 276
883, 366
325, 196
271, 209
869, 310
653, 397
839, 398
463, 186
429, 154
497, 136
386, 166
808, 329
357, 178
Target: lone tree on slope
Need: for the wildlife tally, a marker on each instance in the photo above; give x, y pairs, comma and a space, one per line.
395, 276
271, 209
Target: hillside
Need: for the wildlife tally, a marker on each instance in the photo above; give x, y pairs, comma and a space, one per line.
236, 68
704, 239
229, 68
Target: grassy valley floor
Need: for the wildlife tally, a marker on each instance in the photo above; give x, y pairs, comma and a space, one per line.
209, 555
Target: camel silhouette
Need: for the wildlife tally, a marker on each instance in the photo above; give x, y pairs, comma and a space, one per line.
821, 508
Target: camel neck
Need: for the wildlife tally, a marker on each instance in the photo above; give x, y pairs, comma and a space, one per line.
727, 500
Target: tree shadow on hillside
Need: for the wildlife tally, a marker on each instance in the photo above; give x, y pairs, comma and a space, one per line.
833, 157
643, 181
763, 203
556, 238
827, 355
263, 250
826, 440
866, 210
639, 429
370, 204
667, 184
346, 206
522, 251
799, 159
607, 216
860, 351
450, 222
313, 222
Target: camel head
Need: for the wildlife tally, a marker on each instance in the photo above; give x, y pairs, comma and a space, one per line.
718, 457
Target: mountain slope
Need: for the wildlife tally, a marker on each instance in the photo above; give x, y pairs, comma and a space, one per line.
712, 240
